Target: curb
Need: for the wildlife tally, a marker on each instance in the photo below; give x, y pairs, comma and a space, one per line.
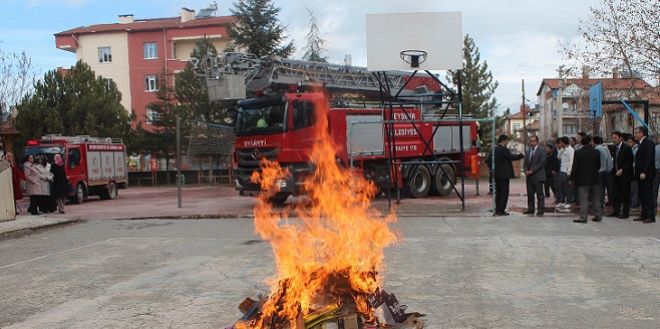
30, 230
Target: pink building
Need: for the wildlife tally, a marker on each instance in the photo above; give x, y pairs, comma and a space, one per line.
134, 53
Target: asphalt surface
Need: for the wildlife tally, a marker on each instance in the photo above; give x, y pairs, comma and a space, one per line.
509, 272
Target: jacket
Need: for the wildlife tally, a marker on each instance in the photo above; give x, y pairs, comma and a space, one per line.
32, 178
60, 182
536, 165
552, 163
585, 166
16, 179
566, 156
623, 159
605, 158
45, 177
645, 159
503, 166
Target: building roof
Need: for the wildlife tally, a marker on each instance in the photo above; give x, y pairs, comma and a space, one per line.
608, 83
517, 115
150, 24
652, 95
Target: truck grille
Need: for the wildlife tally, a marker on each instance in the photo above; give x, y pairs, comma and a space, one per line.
249, 158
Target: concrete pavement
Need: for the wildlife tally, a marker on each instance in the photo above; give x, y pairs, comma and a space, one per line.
494, 272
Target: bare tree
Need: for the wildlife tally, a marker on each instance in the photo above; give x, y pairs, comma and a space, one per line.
16, 77
619, 34
315, 47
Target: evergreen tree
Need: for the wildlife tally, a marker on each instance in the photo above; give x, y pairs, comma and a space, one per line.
315, 44
258, 30
478, 86
75, 103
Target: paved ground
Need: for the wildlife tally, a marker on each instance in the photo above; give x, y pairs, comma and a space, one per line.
463, 272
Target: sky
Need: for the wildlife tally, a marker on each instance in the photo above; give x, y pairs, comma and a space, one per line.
519, 39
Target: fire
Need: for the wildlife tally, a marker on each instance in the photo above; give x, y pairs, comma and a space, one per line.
331, 251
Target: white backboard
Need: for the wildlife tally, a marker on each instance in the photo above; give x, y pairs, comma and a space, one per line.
439, 34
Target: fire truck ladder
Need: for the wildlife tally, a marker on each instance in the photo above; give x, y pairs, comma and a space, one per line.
269, 73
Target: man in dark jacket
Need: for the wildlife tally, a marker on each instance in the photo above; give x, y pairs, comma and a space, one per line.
584, 176
622, 174
503, 172
535, 176
644, 174
551, 170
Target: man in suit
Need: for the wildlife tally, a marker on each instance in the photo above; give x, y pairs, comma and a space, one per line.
622, 174
535, 173
644, 174
503, 172
584, 176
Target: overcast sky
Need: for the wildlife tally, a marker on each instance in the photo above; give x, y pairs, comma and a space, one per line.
518, 38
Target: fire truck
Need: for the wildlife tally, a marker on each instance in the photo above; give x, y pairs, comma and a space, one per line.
94, 166
280, 127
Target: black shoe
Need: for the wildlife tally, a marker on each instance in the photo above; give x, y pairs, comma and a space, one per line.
613, 215
639, 219
623, 217
528, 212
597, 219
647, 221
581, 221
539, 214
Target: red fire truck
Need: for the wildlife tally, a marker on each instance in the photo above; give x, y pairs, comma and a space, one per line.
94, 166
281, 127
359, 133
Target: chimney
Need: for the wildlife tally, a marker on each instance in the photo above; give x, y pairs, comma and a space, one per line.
126, 19
187, 14
585, 72
616, 74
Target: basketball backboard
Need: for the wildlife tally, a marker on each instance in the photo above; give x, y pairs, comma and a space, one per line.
596, 100
414, 41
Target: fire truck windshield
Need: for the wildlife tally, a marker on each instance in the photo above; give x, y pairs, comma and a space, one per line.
48, 151
261, 117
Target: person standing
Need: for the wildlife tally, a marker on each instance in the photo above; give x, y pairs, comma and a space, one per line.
46, 203
622, 173
551, 170
503, 172
656, 180
584, 176
32, 187
16, 177
60, 183
564, 189
604, 170
634, 191
535, 176
644, 174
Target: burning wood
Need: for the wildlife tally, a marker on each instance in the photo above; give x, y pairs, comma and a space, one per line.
328, 259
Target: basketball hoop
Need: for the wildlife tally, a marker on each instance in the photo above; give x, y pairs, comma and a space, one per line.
413, 57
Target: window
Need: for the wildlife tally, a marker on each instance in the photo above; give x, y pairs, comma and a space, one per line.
303, 114
151, 83
570, 129
153, 116
150, 50
105, 55
108, 82
73, 157
516, 126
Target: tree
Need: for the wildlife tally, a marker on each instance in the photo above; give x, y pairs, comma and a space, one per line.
15, 80
478, 86
619, 34
258, 30
74, 103
314, 48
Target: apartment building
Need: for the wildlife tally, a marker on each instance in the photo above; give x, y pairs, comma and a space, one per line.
134, 53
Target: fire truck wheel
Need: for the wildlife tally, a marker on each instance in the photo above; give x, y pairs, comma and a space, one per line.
109, 192
80, 194
278, 199
419, 182
442, 183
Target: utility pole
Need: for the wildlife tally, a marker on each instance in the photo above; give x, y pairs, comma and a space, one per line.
178, 160
524, 113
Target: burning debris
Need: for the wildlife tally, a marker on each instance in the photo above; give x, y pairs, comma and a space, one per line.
328, 255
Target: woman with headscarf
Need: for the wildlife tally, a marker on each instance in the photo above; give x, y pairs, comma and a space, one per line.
32, 186
45, 179
16, 177
60, 183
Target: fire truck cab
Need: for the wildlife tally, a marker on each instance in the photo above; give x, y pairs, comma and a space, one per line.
94, 166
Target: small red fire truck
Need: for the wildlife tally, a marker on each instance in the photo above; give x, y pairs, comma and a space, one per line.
94, 166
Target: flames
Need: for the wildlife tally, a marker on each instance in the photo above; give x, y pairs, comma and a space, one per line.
329, 249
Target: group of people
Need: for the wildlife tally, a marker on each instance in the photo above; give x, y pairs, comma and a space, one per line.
46, 184
583, 171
